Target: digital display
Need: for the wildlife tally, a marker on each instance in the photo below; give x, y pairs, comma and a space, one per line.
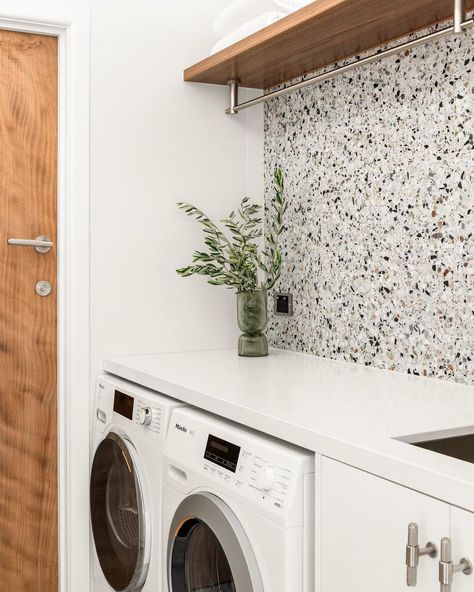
123, 404
222, 453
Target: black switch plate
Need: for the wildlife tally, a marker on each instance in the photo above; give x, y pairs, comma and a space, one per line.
283, 305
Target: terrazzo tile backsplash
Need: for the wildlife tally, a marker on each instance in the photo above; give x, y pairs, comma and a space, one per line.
379, 245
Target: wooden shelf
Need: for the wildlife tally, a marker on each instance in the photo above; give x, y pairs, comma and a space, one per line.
322, 33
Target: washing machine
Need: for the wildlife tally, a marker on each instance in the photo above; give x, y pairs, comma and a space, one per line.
130, 425
238, 509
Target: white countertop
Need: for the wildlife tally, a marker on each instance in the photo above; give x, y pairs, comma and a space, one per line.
344, 411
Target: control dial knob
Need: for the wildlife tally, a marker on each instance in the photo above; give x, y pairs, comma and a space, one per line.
266, 479
145, 416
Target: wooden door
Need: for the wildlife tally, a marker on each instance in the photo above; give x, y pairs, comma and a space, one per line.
28, 383
365, 531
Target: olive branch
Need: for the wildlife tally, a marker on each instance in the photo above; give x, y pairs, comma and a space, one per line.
233, 258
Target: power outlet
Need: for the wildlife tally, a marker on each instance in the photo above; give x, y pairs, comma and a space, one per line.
283, 305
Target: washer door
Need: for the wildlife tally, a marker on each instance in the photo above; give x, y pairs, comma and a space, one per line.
119, 523
208, 550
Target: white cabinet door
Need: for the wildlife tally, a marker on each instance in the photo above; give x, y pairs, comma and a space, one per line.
462, 538
364, 532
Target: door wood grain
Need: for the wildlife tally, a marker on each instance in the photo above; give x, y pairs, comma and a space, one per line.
28, 340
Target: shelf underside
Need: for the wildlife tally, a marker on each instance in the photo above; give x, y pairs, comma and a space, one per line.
320, 34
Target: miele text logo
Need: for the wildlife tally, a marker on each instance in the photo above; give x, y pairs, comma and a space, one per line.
181, 428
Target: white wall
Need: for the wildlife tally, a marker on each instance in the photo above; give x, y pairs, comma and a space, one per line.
155, 141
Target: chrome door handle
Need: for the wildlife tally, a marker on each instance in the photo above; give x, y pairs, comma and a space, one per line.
413, 554
42, 244
447, 569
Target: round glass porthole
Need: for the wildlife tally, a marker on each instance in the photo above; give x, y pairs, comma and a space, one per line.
117, 517
208, 550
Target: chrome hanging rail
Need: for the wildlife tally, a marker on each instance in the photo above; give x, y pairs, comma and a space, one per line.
460, 25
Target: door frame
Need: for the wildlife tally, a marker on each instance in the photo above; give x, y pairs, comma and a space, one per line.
72, 30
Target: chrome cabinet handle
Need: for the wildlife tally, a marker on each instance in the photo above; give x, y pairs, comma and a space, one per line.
447, 569
42, 244
413, 554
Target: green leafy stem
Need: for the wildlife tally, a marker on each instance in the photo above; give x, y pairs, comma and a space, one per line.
233, 257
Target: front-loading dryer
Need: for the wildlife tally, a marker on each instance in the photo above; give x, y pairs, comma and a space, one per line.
130, 425
238, 509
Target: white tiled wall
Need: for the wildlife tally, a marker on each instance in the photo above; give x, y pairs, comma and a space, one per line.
155, 141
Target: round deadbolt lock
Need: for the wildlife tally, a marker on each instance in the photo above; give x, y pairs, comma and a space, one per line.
43, 288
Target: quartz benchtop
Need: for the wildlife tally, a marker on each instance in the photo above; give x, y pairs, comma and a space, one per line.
344, 411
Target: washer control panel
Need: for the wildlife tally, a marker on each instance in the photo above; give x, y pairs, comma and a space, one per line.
147, 416
246, 463
141, 412
221, 453
270, 476
118, 402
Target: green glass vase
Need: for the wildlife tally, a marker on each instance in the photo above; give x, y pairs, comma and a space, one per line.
252, 319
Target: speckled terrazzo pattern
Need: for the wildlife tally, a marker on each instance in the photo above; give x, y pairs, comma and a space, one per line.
379, 246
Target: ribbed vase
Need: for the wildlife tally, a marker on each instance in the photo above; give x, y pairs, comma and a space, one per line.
252, 319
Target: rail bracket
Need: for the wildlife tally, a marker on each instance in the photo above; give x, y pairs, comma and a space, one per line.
460, 15
233, 97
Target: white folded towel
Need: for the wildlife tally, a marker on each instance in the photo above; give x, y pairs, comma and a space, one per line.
239, 12
249, 28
